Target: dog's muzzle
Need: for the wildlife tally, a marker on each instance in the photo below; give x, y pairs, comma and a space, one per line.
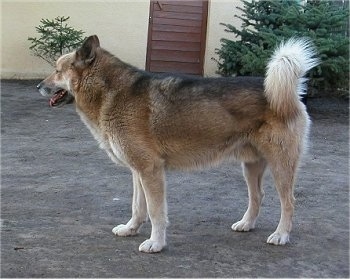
42, 90
58, 96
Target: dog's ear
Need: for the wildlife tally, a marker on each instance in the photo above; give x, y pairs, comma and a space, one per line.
87, 53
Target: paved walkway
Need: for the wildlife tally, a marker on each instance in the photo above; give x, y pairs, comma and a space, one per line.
61, 196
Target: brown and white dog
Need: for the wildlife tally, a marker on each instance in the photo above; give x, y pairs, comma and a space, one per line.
153, 122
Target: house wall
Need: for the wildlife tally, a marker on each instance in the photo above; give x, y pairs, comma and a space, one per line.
121, 25
220, 11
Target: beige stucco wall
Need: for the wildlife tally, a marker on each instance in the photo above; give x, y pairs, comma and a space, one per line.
121, 25
220, 11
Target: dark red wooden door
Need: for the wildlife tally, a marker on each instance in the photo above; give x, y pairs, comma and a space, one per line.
176, 36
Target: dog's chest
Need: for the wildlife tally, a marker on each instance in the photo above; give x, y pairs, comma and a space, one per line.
112, 148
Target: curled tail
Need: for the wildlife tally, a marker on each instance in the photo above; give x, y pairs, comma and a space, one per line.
284, 80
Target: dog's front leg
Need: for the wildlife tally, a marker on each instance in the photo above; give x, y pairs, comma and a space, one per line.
139, 211
153, 183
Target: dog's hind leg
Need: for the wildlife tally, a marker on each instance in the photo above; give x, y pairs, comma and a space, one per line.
253, 173
284, 172
139, 211
153, 183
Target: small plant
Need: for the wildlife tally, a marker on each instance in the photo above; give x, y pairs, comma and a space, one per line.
56, 38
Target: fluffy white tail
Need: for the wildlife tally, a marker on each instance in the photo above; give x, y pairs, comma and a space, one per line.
284, 80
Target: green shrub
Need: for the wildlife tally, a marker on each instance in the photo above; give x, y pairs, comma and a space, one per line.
267, 23
56, 38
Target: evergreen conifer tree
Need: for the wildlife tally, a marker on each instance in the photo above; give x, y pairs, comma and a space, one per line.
266, 23
56, 38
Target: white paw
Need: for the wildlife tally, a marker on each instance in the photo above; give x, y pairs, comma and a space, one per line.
243, 226
124, 230
278, 238
151, 246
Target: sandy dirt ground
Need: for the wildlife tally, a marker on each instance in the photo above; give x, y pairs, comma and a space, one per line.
61, 196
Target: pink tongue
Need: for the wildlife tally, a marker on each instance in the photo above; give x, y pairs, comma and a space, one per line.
56, 97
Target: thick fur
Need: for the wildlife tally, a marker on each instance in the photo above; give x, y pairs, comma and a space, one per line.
293, 60
151, 122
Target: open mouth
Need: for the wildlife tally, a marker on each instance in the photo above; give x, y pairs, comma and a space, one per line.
60, 97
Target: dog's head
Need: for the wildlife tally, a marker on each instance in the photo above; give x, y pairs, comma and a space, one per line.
60, 85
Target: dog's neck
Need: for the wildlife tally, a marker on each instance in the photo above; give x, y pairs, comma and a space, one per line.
89, 102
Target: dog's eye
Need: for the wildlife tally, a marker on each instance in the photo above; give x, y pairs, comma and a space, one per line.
57, 71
